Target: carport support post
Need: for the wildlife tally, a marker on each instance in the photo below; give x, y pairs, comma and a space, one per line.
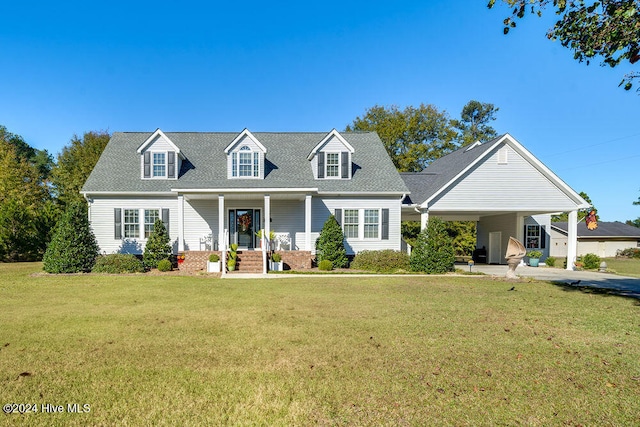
424, 219
572, 239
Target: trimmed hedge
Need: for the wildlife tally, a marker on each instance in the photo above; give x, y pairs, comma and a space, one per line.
383, 261
325, 265
433, 253
164, 265
118, 263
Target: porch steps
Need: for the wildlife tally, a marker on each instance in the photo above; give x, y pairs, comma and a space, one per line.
248, 262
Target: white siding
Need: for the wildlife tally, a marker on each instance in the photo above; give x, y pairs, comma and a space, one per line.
516, 185
333, 144
323, 207
160, 144
287, 216
101, 216
200, 219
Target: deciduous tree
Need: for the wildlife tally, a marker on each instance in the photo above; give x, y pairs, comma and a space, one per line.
581, 213
608, 29
413, 137
75, 163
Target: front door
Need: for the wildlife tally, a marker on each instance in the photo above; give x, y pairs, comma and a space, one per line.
243, 224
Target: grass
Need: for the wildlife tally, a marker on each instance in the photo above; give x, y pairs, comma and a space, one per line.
624, 266
328, 350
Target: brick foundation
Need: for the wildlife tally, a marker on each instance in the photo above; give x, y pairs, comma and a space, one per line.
196, 261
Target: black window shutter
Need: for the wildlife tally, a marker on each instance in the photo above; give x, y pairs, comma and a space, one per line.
543, 237
320, 164
338, 216
345, 164
171, 161
165, 219
117, 223
385, 224
147, 164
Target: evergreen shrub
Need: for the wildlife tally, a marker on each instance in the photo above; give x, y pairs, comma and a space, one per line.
118, 263
383, 261
590, 261
550, 261
433, 252
73, 247
157, 247
330, 244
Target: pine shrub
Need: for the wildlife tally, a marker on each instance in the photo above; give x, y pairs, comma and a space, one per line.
157, 247
330, 244
325, 265
433, 253
118, 263
383, 261
164, 265
73, 247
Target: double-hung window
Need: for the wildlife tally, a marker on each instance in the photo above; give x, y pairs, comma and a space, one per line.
159, 165
351, 223
371, 223
533, 237
333, 165
131, 223
150, 218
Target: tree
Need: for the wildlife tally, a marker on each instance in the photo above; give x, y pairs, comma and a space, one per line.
73, 248
635, 222
474, 123
581, 213
330, 244
413, 137
157, 247
75, 163
40, 159
609, 29
433, 252
25, 206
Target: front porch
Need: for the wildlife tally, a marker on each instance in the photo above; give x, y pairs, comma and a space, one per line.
249, 261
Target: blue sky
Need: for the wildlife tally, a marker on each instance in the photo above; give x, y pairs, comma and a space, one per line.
70, 67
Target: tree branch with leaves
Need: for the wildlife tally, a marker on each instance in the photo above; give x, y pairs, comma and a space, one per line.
609, 29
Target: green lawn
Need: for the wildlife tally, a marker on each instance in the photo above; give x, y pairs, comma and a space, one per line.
624, 266
328, 350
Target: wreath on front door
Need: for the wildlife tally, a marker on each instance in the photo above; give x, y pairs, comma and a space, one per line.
244, 221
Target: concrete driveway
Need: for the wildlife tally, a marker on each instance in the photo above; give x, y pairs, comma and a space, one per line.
627, 286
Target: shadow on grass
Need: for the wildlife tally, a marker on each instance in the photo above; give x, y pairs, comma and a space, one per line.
593, 289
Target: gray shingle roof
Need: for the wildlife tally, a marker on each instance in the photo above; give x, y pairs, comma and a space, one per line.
425, 184
286, 164
605, 229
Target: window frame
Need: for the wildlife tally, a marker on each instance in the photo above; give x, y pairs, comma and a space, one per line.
529, 236
150, 226
378, 224
352, 225
136, 225
251, 164
338, 165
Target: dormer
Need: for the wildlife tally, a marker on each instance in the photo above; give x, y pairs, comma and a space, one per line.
331, 158
245, 157
160, 158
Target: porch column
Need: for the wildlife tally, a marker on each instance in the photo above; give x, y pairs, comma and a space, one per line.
180, 223
572, 239
424, 219
221, 243
267, 231
307, 223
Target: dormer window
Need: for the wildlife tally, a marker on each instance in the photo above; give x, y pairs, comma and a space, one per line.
159, 165
245, 163
245, 157
331, 157
159, 157
333, 165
